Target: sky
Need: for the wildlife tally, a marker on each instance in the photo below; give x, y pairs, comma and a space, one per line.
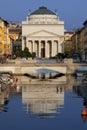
72, 12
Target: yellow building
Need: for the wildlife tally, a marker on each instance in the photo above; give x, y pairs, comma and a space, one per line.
3, 36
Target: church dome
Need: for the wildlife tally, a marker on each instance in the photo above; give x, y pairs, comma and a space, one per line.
43, 11
42, 16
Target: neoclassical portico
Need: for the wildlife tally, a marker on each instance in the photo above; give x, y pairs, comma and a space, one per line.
43, 48
43, 36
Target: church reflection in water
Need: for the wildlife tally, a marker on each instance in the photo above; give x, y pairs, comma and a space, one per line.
43, 101
45, 98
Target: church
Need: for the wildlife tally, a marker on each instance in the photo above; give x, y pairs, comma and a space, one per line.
43, 33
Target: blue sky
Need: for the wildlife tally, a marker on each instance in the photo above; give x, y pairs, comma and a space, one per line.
72, 12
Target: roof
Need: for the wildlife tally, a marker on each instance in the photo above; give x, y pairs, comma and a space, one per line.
42, 10
14, 29
4, 20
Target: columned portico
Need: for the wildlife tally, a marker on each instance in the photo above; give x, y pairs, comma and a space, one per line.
43, 48
44, 38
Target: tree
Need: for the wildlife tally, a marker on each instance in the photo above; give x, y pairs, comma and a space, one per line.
60, 55
26, 53
85, 23
33, 55
18, 53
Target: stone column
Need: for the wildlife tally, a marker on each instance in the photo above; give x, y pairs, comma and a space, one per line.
23, 42
59, 48
28, 45
33, 46
55, 47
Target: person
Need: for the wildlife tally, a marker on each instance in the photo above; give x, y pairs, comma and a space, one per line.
84, 111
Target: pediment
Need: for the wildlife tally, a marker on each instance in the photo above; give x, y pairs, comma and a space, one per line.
42, 33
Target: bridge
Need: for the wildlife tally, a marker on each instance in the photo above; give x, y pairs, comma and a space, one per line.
31, 68
22, 67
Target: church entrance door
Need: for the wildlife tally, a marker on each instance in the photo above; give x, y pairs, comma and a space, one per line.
42, 52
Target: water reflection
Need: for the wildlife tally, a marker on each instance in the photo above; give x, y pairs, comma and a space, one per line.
5, 93
45, 98
44, 74
81, 90
62, 99
43, 101
4, 99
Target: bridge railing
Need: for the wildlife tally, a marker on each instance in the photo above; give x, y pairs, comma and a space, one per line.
40, 61
35, 61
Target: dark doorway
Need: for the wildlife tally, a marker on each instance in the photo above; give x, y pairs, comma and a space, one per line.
42, 52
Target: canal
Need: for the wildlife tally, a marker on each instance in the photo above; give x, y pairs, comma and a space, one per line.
44, 104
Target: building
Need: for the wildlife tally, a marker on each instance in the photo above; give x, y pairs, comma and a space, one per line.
68, 42
16, 45
43, 33
3, 36
15, 34
79, 42
84, 50
14, 30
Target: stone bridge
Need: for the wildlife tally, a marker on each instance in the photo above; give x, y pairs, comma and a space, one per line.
36, 68
21, 69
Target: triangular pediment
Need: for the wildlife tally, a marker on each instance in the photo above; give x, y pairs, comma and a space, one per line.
42, 33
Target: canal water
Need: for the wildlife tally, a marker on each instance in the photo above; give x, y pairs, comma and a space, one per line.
44, 104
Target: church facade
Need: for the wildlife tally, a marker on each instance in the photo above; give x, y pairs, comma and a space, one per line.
43, 33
